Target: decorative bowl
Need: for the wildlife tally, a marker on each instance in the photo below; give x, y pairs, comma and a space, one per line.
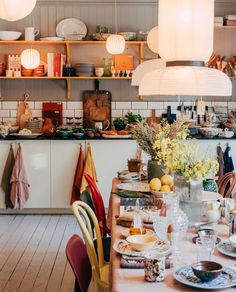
232, 240
207, 270
128, 36
9, 35
78, 135
65, 133
100, 36
210, 132
142, 242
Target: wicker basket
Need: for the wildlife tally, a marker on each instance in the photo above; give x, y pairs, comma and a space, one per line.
35, 126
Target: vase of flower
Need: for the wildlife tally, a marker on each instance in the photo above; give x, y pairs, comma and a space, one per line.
154, 170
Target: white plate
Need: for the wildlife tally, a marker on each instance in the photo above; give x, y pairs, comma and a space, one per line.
142, 187
115, 136
226, 248
54, 39
161, 246
71, 26
125, 232
29, 136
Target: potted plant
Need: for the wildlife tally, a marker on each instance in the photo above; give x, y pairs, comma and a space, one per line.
133, 118
119, 124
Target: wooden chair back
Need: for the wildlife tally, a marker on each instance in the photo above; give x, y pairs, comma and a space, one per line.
226, 184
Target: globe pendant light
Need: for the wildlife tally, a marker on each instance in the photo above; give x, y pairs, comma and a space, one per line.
152, 39
115, 43
185, 42
13, 10
30, 59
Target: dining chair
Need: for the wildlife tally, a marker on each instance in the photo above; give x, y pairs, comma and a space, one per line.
78, 258
226, 184
100, 269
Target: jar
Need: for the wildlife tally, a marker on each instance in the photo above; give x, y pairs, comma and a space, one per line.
107, 63
69, 70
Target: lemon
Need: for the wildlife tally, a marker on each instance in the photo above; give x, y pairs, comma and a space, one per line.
166, 180
165, 188
155, 184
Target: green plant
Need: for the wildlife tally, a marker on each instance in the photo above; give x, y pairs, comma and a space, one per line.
120, 122
131, 117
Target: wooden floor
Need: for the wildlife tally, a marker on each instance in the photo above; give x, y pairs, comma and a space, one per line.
32, 253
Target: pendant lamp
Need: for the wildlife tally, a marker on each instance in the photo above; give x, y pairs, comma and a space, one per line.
30, 59
13, 10
152, 39
185, 42
115, 43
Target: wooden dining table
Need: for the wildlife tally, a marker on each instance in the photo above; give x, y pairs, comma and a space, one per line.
132, 280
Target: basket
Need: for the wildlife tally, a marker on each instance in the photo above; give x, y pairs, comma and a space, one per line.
35, 126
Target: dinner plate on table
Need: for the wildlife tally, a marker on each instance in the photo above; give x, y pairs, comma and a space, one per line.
142, 187
227, 249
124, 248
225, 280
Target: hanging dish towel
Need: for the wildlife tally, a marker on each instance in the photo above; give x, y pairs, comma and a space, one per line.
89, 168
19, 182
75, 195
220, 159
6, 177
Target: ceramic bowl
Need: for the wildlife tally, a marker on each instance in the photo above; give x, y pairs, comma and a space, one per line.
128, 36
232, 240
65, 133
142, 242
9, 35
100, 36
207, 270
78, 135
210, 132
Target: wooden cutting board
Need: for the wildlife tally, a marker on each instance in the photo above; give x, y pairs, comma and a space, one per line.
23, 109
153, 119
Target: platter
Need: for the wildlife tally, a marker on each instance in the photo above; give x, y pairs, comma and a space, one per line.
227, 249
225, 280
142, 187
29, 136
115, 136
123, 247
71, 27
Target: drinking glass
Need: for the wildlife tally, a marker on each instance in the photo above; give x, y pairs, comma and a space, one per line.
204, 249
212, 237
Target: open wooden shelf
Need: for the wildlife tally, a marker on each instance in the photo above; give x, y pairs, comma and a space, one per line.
86, 42
67, 77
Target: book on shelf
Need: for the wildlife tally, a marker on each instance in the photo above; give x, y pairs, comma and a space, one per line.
56, 62
230, 17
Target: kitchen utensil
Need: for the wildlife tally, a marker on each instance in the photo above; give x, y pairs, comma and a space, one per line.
153, 119
9, 35
71, 26
96, 106
101, 125
207, 270
169, 116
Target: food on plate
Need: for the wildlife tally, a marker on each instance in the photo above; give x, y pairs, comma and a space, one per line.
155, 184
122, 132
25, 132
167, 180
135, 231
109, 132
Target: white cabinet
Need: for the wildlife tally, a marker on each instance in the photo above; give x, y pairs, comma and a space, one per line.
64, 157
109, 157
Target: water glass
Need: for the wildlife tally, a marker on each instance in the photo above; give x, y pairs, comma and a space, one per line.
204, 249
212, 237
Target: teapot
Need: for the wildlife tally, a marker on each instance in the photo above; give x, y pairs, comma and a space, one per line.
213, 213
100, 125
48, 128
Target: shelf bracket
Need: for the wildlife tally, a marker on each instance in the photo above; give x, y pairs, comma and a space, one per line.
141, 56
68, 81
67, 53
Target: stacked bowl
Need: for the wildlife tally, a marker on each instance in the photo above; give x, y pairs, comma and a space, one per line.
84, 69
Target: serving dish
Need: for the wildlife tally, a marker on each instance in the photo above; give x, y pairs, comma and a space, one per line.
142, 242
227, 249
71, 26
128, 35
225, 280
100, 36
9, 35
26, 136
142, 187
207, 270
210, 132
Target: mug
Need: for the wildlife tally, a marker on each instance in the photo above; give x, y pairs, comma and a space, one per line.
154, 267
99, 71
30, 33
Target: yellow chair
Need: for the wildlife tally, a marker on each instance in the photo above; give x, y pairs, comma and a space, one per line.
100, 268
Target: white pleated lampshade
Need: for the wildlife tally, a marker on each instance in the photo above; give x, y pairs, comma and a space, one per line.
152, 39
145, 68
185, 29
13, 10
115, 44
190, 81
30, 59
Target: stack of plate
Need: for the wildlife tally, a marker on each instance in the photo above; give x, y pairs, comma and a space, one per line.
84, 69
26, 72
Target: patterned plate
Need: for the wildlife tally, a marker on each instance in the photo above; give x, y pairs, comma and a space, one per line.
142, 187
226, 248
123, 247
227, 279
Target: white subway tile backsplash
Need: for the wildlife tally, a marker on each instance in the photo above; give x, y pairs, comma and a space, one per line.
127, 111
78, 113
68, 113
13, 113
155, 105
174, 104
31, 104
219, 103
75, 105
139, 105
0, 104
123, 105
232, 105
38, 105
64, 105
12, 120
145, 113
9, 105
113, 105
116, 113
37, 113
4, 113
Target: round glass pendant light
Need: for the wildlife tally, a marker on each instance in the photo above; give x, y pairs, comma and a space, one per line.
30, 59
144, 68
190, 81
13, 10
115, 44
152, 39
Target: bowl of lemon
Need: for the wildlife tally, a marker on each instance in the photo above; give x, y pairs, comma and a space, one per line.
159, 186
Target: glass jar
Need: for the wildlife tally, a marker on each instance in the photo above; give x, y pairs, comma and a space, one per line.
107, 63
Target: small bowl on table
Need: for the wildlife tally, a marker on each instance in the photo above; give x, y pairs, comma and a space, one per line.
207, 270
142, 242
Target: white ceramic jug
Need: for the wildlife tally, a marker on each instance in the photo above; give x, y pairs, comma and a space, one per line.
213, 211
